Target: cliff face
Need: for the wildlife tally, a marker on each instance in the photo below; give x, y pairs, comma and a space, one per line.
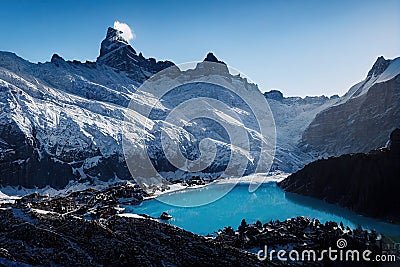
366, 183
363, 118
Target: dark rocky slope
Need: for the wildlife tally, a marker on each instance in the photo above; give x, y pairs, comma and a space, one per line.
366, 183
55, 240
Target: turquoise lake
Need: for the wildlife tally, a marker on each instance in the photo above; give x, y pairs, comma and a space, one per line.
268, 202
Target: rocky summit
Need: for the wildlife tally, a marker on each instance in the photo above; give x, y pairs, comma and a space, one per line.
117, 53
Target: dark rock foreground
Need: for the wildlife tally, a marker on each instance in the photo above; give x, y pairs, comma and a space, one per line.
33, 238
302, 234
56, 240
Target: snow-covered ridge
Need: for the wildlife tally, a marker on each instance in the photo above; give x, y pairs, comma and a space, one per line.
382, 71
392, 71
64, 120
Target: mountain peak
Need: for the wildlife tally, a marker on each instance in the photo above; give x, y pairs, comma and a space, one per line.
56, 57
117, 34
379, 66
113, 41
212, 58
117, 53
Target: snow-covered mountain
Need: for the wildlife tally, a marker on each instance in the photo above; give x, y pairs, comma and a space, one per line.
363, 118
64, 120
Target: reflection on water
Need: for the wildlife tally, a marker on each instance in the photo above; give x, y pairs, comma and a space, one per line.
269, 202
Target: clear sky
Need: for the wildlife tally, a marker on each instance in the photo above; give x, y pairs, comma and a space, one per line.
300, 47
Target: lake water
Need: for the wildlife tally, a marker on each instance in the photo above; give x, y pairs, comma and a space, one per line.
269, 202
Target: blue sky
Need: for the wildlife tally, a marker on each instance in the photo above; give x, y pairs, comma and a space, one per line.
300, 47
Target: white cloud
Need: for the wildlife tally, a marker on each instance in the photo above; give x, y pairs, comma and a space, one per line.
127, 32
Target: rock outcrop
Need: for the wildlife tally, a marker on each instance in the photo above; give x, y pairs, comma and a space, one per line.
274, 94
